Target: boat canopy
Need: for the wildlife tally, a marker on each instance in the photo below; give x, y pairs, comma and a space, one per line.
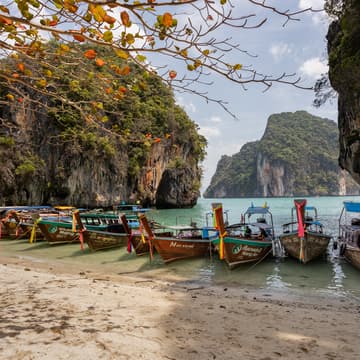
351, 206
257, 210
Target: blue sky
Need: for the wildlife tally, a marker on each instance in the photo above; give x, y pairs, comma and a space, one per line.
299, 47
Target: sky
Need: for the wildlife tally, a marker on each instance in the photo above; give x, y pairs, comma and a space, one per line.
299, 47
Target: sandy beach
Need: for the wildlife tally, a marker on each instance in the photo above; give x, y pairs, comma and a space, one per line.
52, 311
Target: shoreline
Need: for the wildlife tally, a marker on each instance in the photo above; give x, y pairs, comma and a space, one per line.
58, 311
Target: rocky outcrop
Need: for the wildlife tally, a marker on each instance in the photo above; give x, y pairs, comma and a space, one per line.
344, 74
40, 166
297, 156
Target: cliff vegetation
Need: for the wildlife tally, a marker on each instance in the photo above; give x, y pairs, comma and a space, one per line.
51, 153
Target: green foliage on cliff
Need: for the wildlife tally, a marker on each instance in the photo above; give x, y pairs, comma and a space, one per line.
132, 113
344, 52
298, 151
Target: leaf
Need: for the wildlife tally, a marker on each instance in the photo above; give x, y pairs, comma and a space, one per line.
130, 39
125, 19
69, 5
64, 47
184, 53
4, 9
10, 97
223, 2
109, 19
42, 83
237, 67
141, 58
79, 37
167, 19
4, 20
90, 54
126, 70
172, 74
21, 67
98, 12
100, 62
122, 54
48, 73
108, 36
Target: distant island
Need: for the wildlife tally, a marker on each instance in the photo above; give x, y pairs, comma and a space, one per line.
296, 156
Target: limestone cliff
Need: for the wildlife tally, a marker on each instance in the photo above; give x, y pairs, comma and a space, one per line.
344, 73
149, 151
297, 156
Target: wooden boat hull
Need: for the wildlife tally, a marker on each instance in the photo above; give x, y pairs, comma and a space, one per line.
9, 229
58, 233
238, 251
140, 246
172, 249
352, 254
101, 240
26, 230
312, 246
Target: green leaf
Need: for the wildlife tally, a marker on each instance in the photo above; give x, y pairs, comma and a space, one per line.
108, 36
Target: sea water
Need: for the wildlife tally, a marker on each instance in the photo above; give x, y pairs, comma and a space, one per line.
326, 276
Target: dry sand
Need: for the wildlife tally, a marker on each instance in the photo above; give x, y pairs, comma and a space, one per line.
57, 312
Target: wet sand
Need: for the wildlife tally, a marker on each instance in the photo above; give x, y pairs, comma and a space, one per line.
61, 311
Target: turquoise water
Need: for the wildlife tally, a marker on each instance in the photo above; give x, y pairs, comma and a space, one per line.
328, 276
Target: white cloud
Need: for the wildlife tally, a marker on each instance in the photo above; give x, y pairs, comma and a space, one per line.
279, 50
188, 106
315, 4
215, 119
209, 132
313, 68
317, 17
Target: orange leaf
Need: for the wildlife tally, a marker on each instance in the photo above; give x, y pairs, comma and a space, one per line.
79, 37
5, 20
109, 19
172, 74
122, 89
167, 19
100, 62
109, 90
157, 140
20, 100
90, 54
21, 67
53, 23
125, 19
125, 70
15, 75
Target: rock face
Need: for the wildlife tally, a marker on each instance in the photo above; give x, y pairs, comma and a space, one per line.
344, 74
297, 156
39, 166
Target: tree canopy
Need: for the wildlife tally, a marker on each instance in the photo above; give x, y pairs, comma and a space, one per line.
184, 42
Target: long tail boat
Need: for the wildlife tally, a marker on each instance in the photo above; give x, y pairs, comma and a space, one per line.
244, 242
304, 239
17, 221
348, 241
101, 237
181, 243
136, 239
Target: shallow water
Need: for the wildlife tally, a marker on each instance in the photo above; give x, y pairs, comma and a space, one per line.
328, 276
